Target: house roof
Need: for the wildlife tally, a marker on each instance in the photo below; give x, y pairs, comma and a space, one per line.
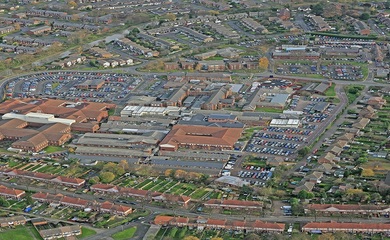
101, 186
347, 207
10, 191
162, 220
349, 226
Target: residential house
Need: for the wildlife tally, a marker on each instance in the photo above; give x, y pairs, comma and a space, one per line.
12, 221
328, 158
307, 186
11, 193
336, 150
377, 210
39, 30
8, 29
361, 123
284, 14
203, 223
61, 232
367, 112
376, 102
118, 210
104, 188
324, 227
253, 25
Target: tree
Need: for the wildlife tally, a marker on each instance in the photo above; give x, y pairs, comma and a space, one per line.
216, 238
170, 16
318, 9
367, 172
365, 16
124, 164
106, 177
180, 174
94, 180
263, 63
305, 195
303, 151
72, 4
168, 173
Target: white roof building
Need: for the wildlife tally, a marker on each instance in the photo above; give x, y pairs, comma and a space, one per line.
137, 111
290, 123
42, 118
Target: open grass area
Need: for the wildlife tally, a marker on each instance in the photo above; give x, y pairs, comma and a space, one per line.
270, 110
20, 233
331, 92
52, 149
198, 194
86, 232
353, 91
214, 58
124, 235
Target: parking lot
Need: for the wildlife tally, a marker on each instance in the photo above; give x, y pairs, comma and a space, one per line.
74, 86
340, 71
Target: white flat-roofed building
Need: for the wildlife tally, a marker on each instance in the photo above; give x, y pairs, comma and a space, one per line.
137, 111
290, 123
42, 118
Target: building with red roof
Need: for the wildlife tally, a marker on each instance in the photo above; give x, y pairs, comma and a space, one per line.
202, 223
11, 192
200, 137
323, 227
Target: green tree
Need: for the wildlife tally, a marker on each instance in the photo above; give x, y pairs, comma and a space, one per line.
318, 9
305, 195
94, 180
303, 151
106, 177
365, 16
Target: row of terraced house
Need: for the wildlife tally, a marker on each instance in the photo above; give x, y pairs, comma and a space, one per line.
79, 203
43, 177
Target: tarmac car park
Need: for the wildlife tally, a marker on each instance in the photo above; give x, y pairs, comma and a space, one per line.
64, 85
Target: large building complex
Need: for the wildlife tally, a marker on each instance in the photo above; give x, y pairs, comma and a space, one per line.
200, 137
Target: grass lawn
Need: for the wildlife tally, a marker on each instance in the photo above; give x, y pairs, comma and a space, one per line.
215, 58
12, 163
199, 193
19, 233
52, 149
330, 92
124, 235
86, 232
268, 109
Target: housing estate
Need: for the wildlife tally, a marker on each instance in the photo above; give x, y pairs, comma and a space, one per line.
201, 223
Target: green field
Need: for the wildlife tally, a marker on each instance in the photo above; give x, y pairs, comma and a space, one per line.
20, 233
330, 92
124, 235
270, 110
52, 149
86, 232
